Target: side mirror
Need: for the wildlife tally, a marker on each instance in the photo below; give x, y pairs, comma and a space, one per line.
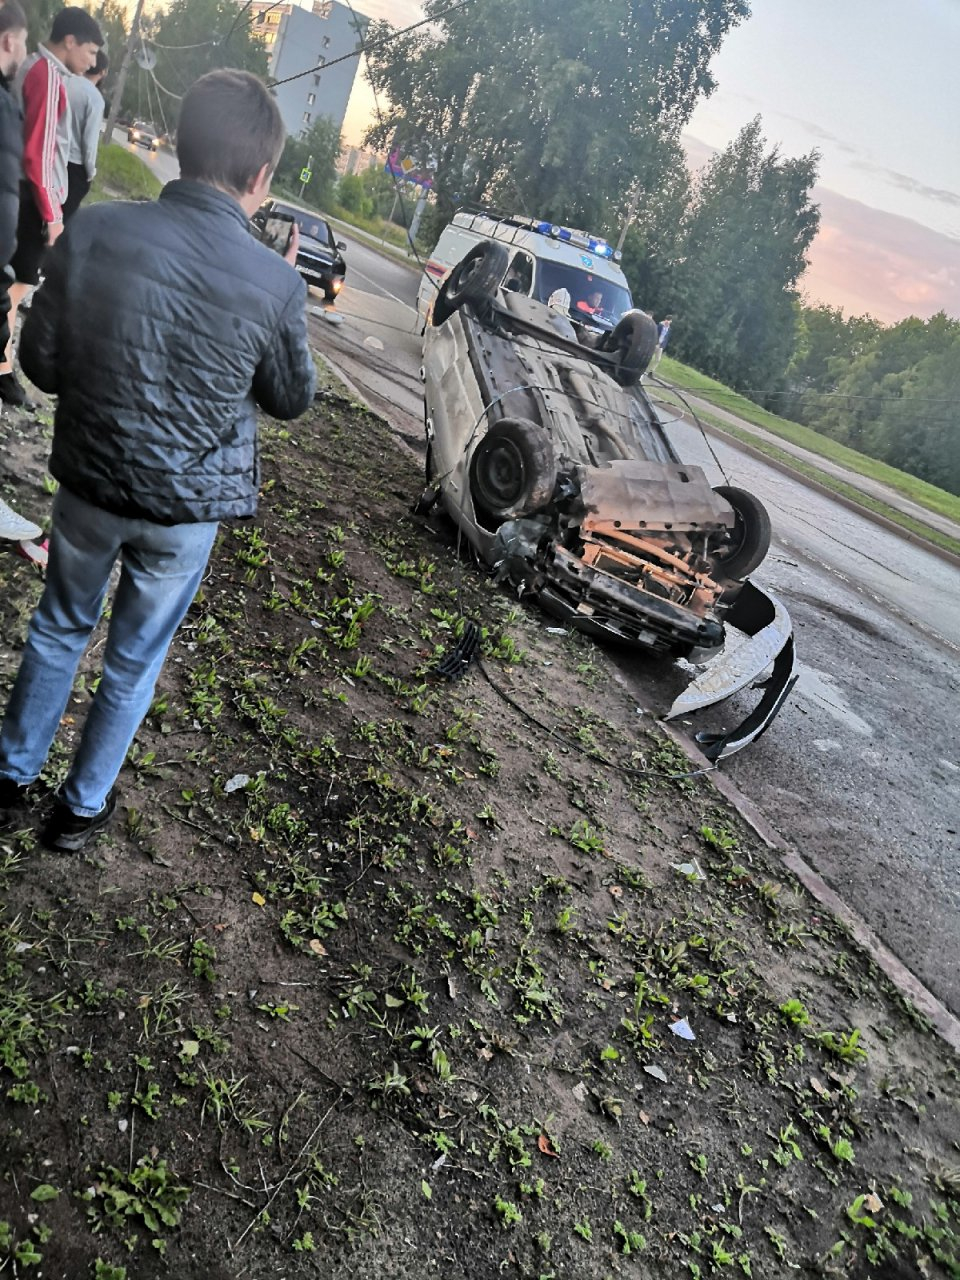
341, 246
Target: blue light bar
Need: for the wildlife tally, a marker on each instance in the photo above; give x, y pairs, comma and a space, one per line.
594, 244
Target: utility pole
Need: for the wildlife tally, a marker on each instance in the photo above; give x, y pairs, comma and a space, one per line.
122, 75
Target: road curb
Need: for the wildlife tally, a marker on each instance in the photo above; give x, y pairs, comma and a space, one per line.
850, 504
903, 979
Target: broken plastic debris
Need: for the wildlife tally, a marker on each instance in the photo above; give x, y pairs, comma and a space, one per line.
658, 1073
873, 1203
331, 317
371, 341
683, 1029
689, 869
581, 1092
236, 782
556, 631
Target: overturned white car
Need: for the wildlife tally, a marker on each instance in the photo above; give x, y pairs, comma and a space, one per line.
549, 456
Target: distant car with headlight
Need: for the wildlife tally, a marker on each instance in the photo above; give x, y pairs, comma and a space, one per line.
143, 134
320, 257
549, 455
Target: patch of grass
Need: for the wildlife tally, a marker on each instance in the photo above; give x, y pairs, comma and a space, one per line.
122, 175
919, 491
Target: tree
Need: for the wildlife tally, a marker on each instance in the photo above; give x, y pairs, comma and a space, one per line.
320, 148
559, 115
192, 37
351, 195
918, 429
742, 251
866, 410
827, 342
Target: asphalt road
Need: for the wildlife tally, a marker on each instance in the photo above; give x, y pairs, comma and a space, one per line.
861, 771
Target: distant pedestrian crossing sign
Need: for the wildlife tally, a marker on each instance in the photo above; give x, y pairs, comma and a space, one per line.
306, 175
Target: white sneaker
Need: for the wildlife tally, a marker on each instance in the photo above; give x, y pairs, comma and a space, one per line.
14, 527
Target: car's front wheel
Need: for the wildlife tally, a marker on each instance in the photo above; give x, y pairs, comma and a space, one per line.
474, 279
632, 341
749, 541
513, 471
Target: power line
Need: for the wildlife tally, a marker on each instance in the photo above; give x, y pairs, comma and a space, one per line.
365, 48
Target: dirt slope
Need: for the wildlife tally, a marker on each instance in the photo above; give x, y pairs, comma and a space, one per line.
377, 976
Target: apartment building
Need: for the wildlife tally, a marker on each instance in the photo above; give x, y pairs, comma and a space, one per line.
301, 40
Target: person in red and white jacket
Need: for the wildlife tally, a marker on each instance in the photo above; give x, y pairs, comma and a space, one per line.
75, 39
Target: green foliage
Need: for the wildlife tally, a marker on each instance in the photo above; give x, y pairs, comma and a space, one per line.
123, 175
320, 148
889, 393
562, 118
351, 195
743, 243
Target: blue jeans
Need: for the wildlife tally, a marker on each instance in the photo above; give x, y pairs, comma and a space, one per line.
161, 568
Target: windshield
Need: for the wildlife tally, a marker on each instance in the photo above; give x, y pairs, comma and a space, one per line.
590, 296
309, 225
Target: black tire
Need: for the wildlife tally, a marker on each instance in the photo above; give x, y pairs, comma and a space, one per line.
632, 341
329, 296
441, 310
513, 471
749, 540
476, 277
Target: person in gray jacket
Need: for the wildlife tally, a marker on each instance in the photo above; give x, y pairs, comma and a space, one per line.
86, 121
160, 327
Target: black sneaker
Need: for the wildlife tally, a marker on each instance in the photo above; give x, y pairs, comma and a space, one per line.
68, 832
11, 391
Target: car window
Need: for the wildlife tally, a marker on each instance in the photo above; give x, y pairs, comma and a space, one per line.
589, 294
519, 275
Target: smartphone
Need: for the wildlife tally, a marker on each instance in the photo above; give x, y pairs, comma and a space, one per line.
276, 231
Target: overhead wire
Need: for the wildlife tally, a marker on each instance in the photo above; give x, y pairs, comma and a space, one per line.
365, 48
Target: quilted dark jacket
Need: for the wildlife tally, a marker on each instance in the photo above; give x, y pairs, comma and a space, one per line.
160, 326
11, 168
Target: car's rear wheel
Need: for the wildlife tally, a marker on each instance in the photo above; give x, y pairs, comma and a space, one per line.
477, 276
749, 540
632, 341
513, 471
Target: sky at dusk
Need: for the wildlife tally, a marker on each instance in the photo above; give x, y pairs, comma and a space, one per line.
872, 85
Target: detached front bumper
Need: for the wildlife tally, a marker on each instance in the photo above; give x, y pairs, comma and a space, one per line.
766, 624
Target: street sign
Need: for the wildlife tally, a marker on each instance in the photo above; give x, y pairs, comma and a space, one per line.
306, 175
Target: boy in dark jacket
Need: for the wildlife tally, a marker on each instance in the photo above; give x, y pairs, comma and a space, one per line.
13, 52
160, 327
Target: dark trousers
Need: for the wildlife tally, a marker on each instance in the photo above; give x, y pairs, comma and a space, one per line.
78, 184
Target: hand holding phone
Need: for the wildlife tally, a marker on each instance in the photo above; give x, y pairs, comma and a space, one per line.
277, 231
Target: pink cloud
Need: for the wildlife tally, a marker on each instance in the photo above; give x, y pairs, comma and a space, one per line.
866, 260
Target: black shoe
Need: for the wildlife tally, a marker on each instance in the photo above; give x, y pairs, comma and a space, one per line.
68, 832
12, 794
11, 391
12, 797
